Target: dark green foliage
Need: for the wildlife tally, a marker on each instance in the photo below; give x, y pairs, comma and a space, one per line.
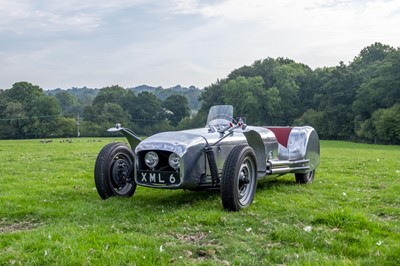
177, 108
359, 101
85, 95
334, 99
69, 103
191, 93
26, 112
247, 95
351, 102
383, 125
147, 109
110, 106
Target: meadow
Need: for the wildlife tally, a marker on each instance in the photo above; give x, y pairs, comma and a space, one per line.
51, 214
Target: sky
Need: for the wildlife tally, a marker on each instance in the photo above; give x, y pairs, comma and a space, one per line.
99, 43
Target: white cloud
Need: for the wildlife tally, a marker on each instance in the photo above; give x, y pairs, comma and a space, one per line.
103, 42
25, 15
310, 26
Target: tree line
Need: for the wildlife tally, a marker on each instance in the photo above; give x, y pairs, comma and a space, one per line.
86, 95
26, 111
359, 101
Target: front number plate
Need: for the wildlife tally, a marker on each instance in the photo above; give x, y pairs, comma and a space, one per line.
160, 178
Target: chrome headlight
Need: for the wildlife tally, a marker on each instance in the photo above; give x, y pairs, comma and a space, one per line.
151, 159
174, 160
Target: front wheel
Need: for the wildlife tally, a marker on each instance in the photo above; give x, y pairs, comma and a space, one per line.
113, 171
305, 178
239, 178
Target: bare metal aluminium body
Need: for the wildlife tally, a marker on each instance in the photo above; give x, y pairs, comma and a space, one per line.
226, 155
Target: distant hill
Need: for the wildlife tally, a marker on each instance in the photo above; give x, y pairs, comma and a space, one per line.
87, 95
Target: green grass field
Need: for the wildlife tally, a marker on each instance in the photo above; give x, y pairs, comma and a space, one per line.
51, 214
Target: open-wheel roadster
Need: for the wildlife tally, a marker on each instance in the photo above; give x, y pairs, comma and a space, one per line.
226, 154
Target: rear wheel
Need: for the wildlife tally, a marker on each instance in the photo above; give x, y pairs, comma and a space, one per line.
113, 171
305, 178
239, 178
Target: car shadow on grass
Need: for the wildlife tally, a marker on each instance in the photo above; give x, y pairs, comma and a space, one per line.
180, 199
276, 183
185, 198
175, 198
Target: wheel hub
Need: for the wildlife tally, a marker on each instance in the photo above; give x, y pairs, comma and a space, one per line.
243, 181
120, 172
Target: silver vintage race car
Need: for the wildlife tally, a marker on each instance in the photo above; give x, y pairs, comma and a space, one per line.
226, 154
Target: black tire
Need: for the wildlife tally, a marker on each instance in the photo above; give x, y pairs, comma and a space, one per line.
113, 171
239, 178
305, 178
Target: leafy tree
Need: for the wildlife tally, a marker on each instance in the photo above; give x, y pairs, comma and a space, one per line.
28, 112
313, 118
3, 101
387, 124
211, 95
247, 96
263, 68
147, 110
23, 92
177, 107
69, 103
335, 98
369, 56
383, 126
43, 115
14, 120
378, 93
279, 100
274, 107
114, 94
111, 113
64, 127
366, 131
289, 78
196, 121
382, 89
